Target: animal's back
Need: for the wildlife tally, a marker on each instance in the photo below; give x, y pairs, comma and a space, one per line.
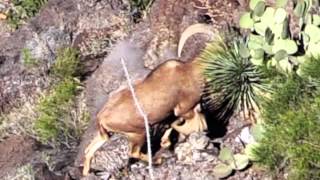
158, 95
163, 89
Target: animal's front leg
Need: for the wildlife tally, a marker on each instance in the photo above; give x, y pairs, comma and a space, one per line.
194, 122
95, 144
165, 139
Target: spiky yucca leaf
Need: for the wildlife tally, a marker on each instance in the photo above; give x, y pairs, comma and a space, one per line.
232, 81
311, 68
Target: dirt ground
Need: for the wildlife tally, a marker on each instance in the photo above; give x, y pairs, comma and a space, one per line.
15, 151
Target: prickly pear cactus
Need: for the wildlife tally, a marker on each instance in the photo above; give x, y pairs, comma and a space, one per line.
270, 41
229, 163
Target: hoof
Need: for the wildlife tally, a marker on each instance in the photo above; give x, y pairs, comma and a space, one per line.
158, 161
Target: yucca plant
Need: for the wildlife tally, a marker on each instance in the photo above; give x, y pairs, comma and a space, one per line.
139, 8
233, 82
141, 4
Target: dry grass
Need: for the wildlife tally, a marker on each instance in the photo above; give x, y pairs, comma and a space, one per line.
20, 121
25, 172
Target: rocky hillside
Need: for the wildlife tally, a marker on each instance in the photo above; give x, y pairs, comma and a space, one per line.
100, 32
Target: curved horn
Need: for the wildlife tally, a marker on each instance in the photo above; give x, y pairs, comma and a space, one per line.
190, 31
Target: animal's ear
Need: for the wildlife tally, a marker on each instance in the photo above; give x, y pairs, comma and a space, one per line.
197, 108
194, 29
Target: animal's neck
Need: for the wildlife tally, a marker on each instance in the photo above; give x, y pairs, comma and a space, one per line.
195, 69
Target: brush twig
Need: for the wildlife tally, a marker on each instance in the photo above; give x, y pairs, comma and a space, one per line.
141, 111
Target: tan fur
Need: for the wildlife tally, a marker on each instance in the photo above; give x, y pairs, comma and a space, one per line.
173, 87
196, 123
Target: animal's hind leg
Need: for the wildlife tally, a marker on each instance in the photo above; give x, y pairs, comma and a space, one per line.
136, 142
95, 144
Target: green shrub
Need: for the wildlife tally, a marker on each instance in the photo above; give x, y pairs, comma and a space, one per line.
28, 60
311, 67
54, 118
67, 63
291, 117
23, 9
290, 143
52, 110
